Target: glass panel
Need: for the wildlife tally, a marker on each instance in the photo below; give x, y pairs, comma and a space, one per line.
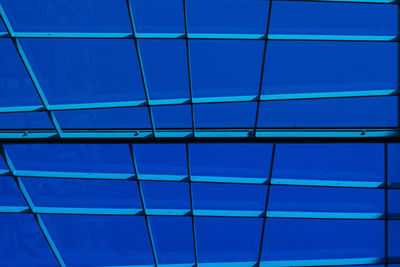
22, 243
311, 67
29, 121
228, 239
165, 66
10, 195
394, 238
351, 162
62, 16
2, 27
289, 17
167, 117
305, 239
173, 238
393, 164
100, 240
86, 70
224, 16
344, 112
393, 203
166, 195
225, 67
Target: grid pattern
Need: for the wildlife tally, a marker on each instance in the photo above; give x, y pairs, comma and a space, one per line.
136, 68
245, 204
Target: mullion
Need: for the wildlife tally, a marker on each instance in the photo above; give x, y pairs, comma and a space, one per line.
386, 217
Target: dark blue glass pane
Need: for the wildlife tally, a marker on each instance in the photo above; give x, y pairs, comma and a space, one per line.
351, 162
16, 88
115, 118
107, 158
289, 17
166, 195
225, 67
64, 16
88, 240
176, 116
305, 239
394, 238
325, 199
393, 202
226, 115
31, 120
10, 195
161, 158
225, 16
173, 238
158, 16
310, 67
230, 160
344, 112
22, 243
393, 163
86, 70
46, 192
228, 239
210, 196
165, 67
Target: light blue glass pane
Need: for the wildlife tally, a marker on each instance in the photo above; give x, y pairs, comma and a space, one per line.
224, 16
394, 201
166, 195
165, 68
100, 240
309, 67
107, 158
344, 162
64, 16
345, 112
22, 243
325, 199
47, 192
176, 116
289, 17
226, 115
16, 88
86, 70
161, 158
31, 120
225, 67
227, 239
393, 163
211, 196
312, 239
10, 195
158, 16
115, 118
173, 238
231, 160
394, 238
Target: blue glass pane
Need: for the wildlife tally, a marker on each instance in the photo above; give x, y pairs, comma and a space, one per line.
86, 70
3, 165
394, 238
16, 88
2, 27
22, 243
308, 67
210, 196
31, 120
115, 118
158, 16
165, 67
225, 67
393, 202
227, 115
107, 158
161, 158
393, 163
228, 239
177, 116
46, 192
173, 238
10, 195
100, 240
231, 160
333, 18
351, 162
305, 239
64, 16
166, 195
344, 112
225, 16
325, 199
